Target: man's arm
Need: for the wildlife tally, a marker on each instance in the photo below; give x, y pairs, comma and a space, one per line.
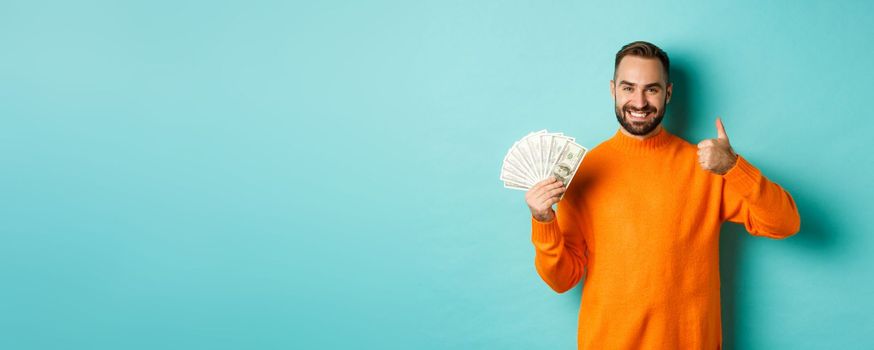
762, 206
559, 246
748, 198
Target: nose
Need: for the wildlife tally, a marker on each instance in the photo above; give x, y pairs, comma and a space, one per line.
638, 100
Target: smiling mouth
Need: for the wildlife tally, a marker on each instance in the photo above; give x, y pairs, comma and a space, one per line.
638, 115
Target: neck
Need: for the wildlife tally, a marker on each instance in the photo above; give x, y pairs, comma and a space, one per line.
642, 137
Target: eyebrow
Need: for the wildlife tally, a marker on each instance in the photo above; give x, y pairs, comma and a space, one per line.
623, 82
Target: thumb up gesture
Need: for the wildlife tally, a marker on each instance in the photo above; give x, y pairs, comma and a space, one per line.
716, 155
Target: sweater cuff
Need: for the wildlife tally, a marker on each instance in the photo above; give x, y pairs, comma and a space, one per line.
743, 177
546, 234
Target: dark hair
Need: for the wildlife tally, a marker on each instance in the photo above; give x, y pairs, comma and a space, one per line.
646, 50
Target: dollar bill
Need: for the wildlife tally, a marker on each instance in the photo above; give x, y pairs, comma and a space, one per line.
514, 186
569, 160
539, 155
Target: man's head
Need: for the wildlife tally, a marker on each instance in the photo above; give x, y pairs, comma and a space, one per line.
641, 87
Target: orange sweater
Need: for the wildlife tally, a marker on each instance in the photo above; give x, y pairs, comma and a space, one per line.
640, 223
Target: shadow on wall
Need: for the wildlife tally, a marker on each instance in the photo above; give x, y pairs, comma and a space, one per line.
681, 112
816, 237
816, 234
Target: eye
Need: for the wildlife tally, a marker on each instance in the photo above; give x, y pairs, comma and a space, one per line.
652, 90
626, 88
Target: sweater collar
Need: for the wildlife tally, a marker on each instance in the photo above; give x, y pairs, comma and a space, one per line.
630, 144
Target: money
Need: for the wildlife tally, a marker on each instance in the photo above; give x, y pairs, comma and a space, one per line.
568, 162
539, 155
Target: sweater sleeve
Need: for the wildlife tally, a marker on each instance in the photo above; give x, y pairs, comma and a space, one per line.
762, 206
559, 249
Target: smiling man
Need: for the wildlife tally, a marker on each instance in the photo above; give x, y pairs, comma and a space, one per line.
640, 221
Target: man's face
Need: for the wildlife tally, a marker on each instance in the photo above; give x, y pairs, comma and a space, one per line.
641, 94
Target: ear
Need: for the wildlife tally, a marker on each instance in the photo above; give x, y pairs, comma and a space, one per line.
670, 91
612, 89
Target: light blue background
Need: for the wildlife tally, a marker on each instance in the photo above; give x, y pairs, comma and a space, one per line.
324, 175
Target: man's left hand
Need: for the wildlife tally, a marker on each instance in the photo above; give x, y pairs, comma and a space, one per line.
716, 155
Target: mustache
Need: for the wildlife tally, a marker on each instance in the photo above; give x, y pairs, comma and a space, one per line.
646, 109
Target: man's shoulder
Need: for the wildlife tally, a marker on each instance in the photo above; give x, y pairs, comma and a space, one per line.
599, 155
601, 147
682, 143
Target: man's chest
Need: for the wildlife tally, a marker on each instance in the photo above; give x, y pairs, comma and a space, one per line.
633, 200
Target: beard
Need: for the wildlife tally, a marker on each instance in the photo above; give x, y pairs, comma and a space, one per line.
639, 128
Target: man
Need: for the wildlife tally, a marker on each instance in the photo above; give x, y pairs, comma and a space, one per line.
640, 221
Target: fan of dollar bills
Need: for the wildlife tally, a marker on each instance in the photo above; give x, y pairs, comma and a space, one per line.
538, 156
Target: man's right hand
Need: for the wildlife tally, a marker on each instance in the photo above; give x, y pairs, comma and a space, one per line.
542, 196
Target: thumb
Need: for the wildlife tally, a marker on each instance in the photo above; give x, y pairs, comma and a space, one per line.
720, 129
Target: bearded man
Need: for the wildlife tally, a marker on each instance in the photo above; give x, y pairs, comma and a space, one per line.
640, 221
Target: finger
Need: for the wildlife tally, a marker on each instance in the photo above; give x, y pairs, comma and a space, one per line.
548, 202
537, 186
720, 129
551, 193
552, 185
546, 192
553, 200
545, 182
542, 187
555, 185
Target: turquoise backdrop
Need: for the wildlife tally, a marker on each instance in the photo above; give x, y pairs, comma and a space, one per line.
324, 174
